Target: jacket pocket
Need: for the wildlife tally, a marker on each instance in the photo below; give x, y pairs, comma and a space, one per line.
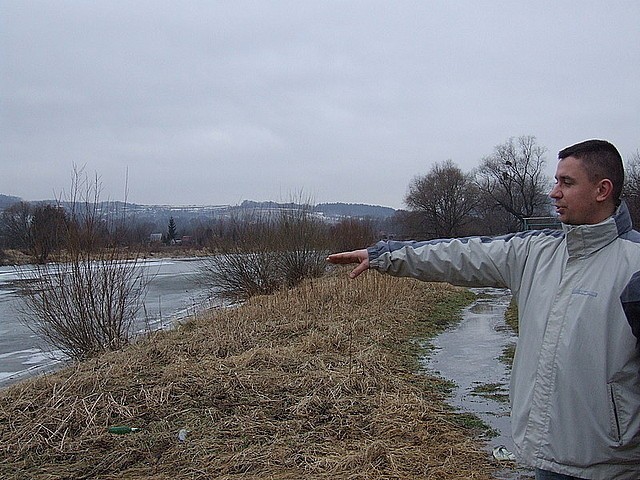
624, 414
614, 415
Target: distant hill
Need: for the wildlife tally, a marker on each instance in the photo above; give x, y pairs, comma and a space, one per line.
163, 212
358, 210
8, 200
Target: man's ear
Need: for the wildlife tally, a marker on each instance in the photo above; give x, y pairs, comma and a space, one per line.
605, 190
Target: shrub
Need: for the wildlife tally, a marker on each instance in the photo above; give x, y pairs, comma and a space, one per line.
268, 251
83, 305
86, 302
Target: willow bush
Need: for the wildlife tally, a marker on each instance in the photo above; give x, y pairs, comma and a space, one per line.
86, 302
267, 251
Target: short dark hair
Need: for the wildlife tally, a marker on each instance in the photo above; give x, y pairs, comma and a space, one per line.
602, 160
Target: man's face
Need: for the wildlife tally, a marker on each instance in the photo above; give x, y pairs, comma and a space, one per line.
575, 195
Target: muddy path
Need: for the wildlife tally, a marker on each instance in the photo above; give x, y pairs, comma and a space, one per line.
469, 356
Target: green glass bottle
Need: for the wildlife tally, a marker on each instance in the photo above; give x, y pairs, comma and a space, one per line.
121, 430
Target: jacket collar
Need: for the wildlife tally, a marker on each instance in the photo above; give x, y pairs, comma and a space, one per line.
622, 218
583, 240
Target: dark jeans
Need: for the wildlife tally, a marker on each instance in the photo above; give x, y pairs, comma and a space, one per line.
547, 475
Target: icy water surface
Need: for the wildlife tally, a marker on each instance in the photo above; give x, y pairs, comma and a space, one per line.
174, 291
469, 355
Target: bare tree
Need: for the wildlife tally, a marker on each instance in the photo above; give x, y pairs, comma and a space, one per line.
631, 190
352, 233
261, 252
513, 180
84, 306
302, 244
244, 263
444, 200
48, 226
16, 226
36, 229
85, 303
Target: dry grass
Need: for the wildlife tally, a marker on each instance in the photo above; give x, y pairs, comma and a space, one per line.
311, 383
15, 257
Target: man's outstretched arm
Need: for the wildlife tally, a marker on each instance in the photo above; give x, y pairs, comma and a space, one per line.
361, 257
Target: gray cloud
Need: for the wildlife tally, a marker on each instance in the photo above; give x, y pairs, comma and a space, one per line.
215, 102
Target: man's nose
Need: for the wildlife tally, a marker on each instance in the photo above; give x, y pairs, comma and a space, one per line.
555, 192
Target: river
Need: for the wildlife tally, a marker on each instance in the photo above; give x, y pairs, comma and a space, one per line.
469, 355
174, 291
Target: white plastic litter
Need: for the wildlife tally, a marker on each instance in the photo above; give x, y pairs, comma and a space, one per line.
502, 454
182, 434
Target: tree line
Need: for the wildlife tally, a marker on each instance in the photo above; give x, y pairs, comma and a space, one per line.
508, 187
41, 230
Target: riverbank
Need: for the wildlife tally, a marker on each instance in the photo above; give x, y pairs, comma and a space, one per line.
318, 382
18, 258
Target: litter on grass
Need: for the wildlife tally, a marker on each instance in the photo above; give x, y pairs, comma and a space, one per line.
502, 454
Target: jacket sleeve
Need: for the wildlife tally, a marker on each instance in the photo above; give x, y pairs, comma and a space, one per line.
471, 262
630, 299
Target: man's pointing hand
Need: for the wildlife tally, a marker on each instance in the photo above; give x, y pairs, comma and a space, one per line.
361, 257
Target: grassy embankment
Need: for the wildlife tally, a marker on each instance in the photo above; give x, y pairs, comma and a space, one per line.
318, 382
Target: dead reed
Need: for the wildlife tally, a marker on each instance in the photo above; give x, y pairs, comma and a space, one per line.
315, 382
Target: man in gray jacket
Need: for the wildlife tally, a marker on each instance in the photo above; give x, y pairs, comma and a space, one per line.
575, 383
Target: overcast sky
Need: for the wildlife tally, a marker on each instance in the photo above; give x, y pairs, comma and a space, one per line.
215, 102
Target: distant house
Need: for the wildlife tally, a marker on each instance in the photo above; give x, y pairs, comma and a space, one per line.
155, 238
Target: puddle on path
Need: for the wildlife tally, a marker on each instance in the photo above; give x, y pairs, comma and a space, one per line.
469, 355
